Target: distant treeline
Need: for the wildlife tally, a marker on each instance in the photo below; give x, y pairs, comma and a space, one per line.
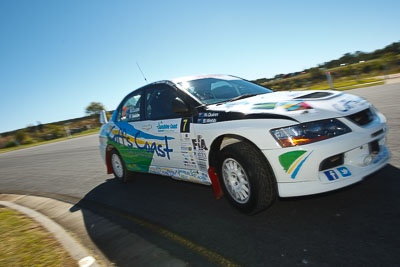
356, 57
350, 64
49, 131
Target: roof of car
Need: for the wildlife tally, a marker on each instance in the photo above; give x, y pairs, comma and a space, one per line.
198, 77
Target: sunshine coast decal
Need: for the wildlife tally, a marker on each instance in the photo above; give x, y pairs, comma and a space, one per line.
293, 161
166, 127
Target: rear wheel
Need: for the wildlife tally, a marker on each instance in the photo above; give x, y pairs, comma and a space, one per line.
118, 166
246, 177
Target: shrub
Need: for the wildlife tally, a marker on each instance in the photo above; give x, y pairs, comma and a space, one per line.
29, 140
11, 144
366, 69
20, 136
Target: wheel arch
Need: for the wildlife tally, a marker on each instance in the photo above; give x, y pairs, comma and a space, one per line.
224, 140
266, 187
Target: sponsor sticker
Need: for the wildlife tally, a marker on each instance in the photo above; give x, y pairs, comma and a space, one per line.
331, 175
166, 127
183, 174
199, 143
344, 171
132, 138
295, 105
208, 114
293, 161
206, 120
336, 174
345, 105
264, 106
207, 117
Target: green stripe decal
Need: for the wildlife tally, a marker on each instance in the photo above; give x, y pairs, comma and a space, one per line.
288, 158
134, 158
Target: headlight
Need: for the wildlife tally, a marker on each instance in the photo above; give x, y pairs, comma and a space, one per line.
310, 132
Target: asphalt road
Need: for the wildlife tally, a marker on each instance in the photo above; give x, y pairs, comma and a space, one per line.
355, 226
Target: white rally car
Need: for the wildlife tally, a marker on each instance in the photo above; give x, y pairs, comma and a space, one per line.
254, 143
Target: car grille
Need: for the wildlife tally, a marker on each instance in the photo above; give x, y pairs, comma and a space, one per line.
362, 118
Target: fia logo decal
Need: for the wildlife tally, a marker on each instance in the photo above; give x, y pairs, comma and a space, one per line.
199, 143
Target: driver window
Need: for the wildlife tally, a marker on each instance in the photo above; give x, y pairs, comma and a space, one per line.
159, 102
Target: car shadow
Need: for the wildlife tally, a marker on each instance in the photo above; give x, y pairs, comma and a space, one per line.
357, 225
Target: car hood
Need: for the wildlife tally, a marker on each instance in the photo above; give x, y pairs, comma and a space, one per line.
302, 106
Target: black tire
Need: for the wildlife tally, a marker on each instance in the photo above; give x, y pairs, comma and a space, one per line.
255, 169
118, 168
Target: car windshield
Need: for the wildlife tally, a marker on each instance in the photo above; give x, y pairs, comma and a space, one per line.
214, 90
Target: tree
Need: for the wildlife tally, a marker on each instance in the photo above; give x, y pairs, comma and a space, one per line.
316, 74
20, 136
94, 108
389, 59
54, 131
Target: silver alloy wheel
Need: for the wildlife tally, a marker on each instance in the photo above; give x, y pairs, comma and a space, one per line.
117, 165
236, 180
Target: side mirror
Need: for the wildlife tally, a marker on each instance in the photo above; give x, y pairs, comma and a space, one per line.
103, 117
179, 106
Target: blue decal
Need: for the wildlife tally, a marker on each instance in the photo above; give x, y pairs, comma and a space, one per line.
344, 171
331, 175
122, 137
151, 147
133, 131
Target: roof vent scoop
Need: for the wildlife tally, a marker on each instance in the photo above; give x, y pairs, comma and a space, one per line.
314, 95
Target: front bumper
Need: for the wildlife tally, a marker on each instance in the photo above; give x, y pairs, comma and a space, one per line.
298, 170
323, 184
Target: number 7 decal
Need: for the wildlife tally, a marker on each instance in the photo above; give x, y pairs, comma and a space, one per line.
185, 125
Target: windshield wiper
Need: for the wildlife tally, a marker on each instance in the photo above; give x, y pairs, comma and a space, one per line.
238, 98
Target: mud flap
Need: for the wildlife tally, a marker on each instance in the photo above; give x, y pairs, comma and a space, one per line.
218, 193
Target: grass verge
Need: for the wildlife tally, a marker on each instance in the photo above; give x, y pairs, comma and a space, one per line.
25, 243
340, 84
359, 86
84, 133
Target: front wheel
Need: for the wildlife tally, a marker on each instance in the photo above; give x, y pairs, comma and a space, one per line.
246, 178
118, 166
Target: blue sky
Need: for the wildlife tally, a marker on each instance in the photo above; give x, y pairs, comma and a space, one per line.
57, 56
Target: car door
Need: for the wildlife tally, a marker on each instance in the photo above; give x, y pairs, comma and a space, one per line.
126, 130
174, 155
